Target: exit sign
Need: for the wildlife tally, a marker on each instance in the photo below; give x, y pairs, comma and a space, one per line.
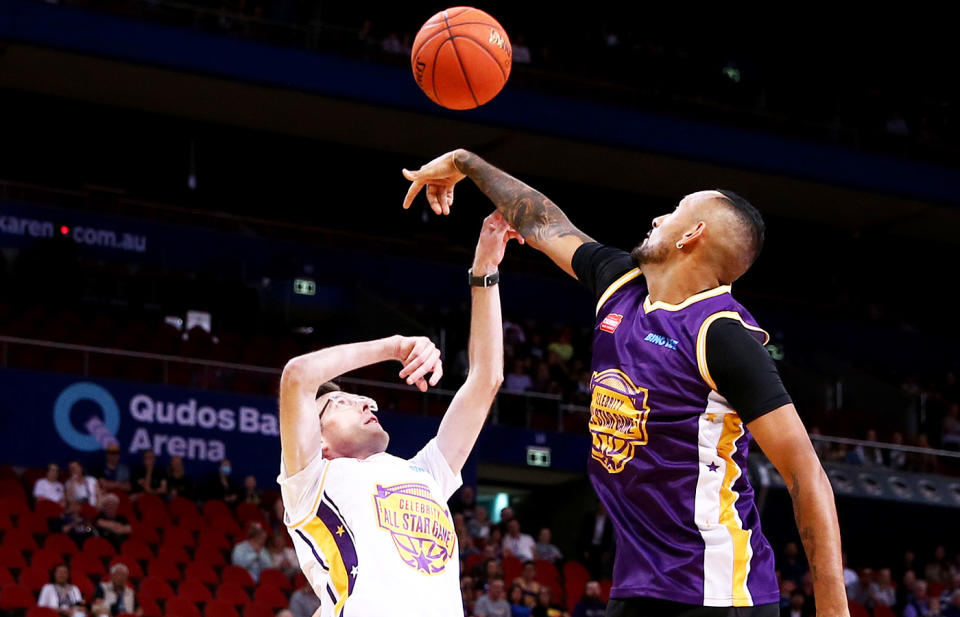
538, 456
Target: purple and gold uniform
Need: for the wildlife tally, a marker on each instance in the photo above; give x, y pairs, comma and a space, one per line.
669, 452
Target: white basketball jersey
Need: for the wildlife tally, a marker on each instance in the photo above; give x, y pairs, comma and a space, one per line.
374, 536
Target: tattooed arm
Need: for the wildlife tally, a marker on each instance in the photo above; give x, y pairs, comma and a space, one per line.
782, 437
542, 224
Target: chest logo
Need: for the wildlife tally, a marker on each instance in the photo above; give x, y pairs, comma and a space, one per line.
611, 322
618, 419
421, 529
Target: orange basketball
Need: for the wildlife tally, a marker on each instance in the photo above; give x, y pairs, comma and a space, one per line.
461, 58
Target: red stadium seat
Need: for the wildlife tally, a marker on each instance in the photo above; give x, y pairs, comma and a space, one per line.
31, 475
33, 524
882, 610
213, 538
220, 608
857, 610
150, 607
181, 607
7, 472
472, 560
210, 557
153, 510
215, 508
84, 584
145, 532
176, 554
60, 543
238, 575
98, 547
91, 513
546, 572
233, 593
227, 525
605, 589
5, 577
42, 611
512, 567
47, 508
201, 573
300, 581
178, 536
191, 522
276, 578
270, 596
14, 505
14, 597
20, 540
162, 568
250, 513
137, 549
181, 507
33, 579
6, 521
11, 558
11, 489
255, 610
154, 588
195, 591
133, 566
87, 564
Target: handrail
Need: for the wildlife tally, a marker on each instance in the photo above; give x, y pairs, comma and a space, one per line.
885, 446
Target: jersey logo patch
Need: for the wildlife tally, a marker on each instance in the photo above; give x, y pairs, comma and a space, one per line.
421, 529
662, 341
611, 322
420, 469
618, 419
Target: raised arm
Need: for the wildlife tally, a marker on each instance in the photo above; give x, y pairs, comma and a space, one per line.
303, 375
541, 223
782, 437
468, 411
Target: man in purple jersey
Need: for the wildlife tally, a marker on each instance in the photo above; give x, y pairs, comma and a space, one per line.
680, 382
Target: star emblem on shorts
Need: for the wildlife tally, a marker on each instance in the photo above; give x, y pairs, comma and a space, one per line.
713, 467
353, 572
423, 563
340, 530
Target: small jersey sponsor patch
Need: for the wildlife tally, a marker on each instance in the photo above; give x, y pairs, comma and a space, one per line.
611, 322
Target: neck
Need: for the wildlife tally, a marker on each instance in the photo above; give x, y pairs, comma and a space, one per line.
676, 281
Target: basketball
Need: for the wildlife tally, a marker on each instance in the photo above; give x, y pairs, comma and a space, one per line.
461, 58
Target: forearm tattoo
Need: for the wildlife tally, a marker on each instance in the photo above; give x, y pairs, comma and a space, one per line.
529, 212
807, 531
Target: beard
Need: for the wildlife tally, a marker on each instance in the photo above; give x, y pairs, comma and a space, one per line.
645, 254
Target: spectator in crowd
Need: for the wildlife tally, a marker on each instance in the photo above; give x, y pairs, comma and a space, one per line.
950, 428
147, 478
591, 603
921, 604
542, 382
479, 525
110, 523
75, 524
303, 602
952, 609
937, 569
221, 486
546, 607
896, 459
283, 556
115, 596
859, 591
792, 563
528, 584
787, 587
49, 487
467, 594
518, 379
869, 455
518, 544
797, 606
486, 571
60, 595
925, 462
506, 515
81, 487
562, 345
949, 590
595, 542
882, 590
521, 53
909, 563
806, 586
905, 590
850, 575
544, 549
464, 502
252, 554
114, 476
179, 483
518, 604
250, 493
493, 603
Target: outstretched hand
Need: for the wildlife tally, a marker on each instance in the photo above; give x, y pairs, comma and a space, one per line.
419, 356
439, 176
492, 245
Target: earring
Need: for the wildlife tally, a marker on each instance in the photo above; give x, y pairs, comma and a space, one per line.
679, 245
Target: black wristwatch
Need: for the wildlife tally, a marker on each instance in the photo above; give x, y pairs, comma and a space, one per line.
483, 281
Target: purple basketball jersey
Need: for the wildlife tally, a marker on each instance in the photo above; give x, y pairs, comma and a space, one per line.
669, 454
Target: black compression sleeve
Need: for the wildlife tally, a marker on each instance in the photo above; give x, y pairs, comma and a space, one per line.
598, 266
743, 371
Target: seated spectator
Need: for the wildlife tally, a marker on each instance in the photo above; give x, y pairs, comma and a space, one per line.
147, 478
252, 554
882, 590
468, 594
546, 607
114, 476
115, 596
850, 575
787, 587
487, 570
937, 569
919, 603
221, 486
520, 545
250, 493
869, 455
859, 591
50, 487
792, 563
463, 502
493, 603
303, 602
518, 605
595, 542
60, 595
949, 590
74, 524
518, 379
896, 459
905, 590
528, 584
953, 608
591, 604
81, 487
110, 523
479, 525
798, 605
284, 557
178, 483
544, 549
563, 345
495, 542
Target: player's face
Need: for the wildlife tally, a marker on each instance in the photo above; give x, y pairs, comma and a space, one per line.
349, 426
661, 241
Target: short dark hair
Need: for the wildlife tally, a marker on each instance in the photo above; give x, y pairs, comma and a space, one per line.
326, 388
750, 218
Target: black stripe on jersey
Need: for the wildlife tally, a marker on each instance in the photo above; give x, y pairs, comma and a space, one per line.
312, 550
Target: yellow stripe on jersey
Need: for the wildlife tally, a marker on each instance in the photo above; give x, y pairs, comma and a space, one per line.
316, 502
702, 341
729, 518
617, 284
703, 295
323, 537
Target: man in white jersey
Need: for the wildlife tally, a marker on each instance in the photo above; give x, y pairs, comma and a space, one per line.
372, 531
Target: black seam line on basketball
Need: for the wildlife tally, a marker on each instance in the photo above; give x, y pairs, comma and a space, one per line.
416, 52
459, 61
489, 53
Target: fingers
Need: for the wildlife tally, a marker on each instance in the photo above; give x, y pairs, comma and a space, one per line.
437, 373
433, 198
429, 362
415, 187
416, 356
446, 198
